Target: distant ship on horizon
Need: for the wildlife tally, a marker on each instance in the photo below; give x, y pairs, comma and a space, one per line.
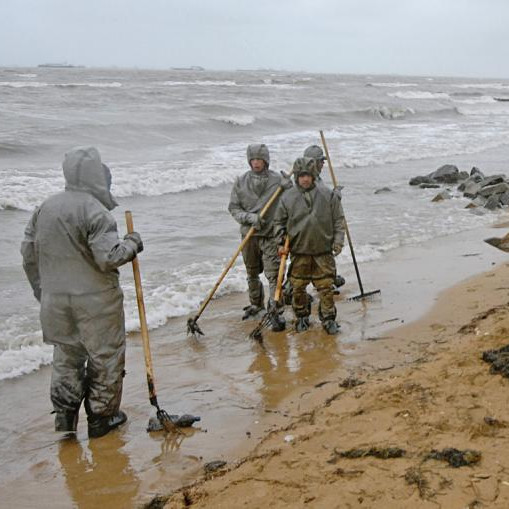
190, 68
61, 65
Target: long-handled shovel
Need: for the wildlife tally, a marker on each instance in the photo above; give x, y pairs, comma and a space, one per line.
162, 415
347, 231
192, 325
266, 318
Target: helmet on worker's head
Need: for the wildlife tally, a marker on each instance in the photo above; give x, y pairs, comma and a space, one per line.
304, 166
258, 151
315, 152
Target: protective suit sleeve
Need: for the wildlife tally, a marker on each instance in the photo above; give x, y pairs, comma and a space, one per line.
338, 221
29, 254
235, 208
280, 223
108, 250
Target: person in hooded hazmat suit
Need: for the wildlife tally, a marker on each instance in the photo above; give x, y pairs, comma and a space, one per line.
315, 152
71, 251
312, 217
250, 192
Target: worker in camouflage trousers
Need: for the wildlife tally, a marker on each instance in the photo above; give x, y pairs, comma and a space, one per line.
312, 217
251, 191
316, 153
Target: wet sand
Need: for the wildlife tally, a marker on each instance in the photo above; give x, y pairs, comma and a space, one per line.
442, 396
243, 390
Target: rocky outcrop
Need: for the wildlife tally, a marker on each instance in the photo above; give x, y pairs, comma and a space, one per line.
490, 192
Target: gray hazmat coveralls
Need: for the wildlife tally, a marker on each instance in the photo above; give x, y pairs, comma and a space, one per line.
314, 221
71, 252
251, 191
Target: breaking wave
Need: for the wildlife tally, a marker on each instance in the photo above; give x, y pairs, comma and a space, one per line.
237, 120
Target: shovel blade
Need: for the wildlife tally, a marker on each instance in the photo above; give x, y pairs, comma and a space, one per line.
502, 243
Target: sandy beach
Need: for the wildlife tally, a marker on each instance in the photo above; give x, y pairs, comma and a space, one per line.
430, 390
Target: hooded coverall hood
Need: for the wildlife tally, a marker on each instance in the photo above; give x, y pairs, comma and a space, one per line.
84, 171
304, 166
258, 151
315, 152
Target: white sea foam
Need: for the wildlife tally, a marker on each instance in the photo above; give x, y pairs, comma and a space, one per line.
237, 120
26, 75
38, 84
23, 84
24, 360
181, 293
112, 84
496, 86
420, 94
389, 113
495, 108
392, 85
201, 83
483, 99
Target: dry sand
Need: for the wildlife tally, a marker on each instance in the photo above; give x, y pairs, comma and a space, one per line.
431, 391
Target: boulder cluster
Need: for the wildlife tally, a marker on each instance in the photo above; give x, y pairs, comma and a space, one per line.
490, 192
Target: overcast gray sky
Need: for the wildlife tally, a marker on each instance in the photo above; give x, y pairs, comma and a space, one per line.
425, 37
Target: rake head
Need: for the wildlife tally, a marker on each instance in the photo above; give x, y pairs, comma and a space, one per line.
256, 333
193, 327
363, 295
165, 419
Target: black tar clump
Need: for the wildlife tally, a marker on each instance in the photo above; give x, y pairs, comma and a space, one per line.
499, 360
455, 457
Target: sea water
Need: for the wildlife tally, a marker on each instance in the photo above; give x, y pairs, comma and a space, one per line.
176, 139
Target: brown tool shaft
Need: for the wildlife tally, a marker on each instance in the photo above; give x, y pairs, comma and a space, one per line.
347, 231
282, 270
245, 240
143, 319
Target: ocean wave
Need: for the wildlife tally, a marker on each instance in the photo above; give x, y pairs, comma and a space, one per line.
478, 99
112, 84
39, 84
204, 83
496, 86
182, 293
391, 85
237, 120
491, 108
25, 189
23, 84
25, 360
26, 75
390, 113
420, 95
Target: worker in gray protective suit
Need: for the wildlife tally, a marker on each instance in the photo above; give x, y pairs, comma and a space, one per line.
312, 217
315, 152
71, 252
251, 191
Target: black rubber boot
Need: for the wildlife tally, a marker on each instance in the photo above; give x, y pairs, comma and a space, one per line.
302, 324
252, 311
66, 421
99, 426
331, 327
277, 322
339, 281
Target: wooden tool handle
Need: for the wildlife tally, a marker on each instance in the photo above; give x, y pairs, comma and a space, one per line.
282, 270
141, 311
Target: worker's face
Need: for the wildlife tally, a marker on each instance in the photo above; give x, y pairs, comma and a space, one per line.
319, 165
305, 181
257, 165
